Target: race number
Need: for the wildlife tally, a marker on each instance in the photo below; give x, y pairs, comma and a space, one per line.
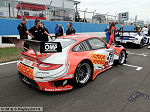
110, 58
50, 47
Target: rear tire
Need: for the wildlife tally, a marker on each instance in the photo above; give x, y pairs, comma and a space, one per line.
122, 58
82, 74
141, 44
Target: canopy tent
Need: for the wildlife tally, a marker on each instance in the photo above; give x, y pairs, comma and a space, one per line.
28, 6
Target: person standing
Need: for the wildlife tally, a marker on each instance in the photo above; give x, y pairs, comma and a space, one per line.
70, 29
37, 31
112, 31
56, 31
145, 30
61, 30
107, 33
22, 29
44, 35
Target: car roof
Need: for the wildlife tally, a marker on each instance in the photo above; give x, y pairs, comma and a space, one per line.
78, 37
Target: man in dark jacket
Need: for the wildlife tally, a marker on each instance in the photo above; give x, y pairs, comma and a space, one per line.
22, 29
61, 30
37, 32
70, 30
44, 36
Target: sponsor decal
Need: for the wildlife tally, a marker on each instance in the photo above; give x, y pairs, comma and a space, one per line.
58, 89
26, 71
50, 47
46, 73
97, 58
27, 62
68, 76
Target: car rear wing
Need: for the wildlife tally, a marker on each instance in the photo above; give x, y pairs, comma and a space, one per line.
44, 48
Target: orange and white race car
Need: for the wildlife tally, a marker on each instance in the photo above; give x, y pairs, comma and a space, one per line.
68, 61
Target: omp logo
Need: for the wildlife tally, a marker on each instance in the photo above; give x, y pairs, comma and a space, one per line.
50, 47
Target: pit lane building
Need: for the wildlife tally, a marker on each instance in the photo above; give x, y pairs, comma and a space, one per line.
54, 10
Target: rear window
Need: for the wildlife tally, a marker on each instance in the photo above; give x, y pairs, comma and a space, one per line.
65, 42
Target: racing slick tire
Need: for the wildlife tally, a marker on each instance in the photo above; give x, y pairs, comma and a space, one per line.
122, 58
118, 43
83, 74
148, 41
141, 44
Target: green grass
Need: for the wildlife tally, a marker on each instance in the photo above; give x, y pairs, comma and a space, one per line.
8, 54
104, 38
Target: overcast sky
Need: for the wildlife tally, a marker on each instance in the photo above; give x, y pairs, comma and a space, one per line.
141, 8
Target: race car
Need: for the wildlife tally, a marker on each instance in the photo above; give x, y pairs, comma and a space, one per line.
148, 30
68, 61
132, 37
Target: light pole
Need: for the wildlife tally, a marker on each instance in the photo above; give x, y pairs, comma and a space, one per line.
94, 12
21, 12
93, 15
116, 17
12, 2
135, 19
63, 4
84, 14
49, 8
107, 17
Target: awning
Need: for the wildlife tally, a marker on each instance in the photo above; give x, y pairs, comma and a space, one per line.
30, 6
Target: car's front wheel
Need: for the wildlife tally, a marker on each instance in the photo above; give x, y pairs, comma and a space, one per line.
82, 74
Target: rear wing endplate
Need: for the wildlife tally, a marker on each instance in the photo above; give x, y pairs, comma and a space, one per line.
38, 47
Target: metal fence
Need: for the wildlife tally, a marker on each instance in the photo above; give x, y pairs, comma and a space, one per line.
8, 10
94, 17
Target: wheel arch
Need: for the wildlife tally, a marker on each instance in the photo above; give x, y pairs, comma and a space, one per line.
91, 64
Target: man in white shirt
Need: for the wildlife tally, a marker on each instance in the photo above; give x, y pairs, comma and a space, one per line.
145, 30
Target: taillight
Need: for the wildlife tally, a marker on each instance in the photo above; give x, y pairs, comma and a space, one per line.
46, 66
21, 59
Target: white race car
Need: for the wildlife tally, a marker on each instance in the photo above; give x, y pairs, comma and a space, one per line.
132, 37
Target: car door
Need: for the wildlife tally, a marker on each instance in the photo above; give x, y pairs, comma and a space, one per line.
100, 54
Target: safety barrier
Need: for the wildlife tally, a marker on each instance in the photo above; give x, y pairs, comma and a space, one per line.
9, 26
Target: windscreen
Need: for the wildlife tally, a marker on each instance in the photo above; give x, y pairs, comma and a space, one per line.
65, 42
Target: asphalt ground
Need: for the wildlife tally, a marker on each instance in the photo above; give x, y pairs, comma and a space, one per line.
119, 89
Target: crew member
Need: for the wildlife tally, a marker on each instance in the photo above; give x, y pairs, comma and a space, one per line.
61, 30
107, 33
22, 29
70, 29
44, 36
56, 31
37, 31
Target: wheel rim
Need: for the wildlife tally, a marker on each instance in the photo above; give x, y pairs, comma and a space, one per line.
83, 73
122, 57
141, 43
